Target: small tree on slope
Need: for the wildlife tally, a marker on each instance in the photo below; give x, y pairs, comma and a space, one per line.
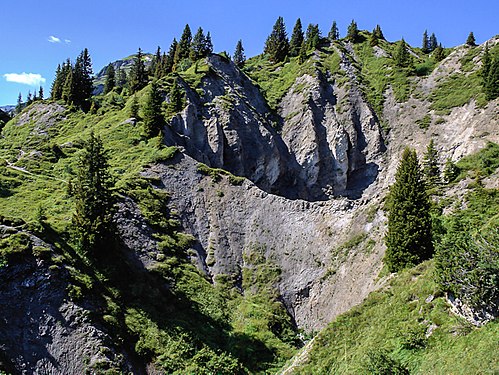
409, 236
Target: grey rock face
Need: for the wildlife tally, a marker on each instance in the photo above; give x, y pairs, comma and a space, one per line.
315, 156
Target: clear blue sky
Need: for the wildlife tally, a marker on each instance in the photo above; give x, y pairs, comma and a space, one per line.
112, 29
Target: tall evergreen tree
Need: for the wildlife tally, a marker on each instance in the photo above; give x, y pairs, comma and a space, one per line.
134, 107
432, 42
110, 79
176, 101
152, 111
492, 80
470, 41
68, 90
353, 32
425, 45
56, 88
431, 169
92, 191
155, 63
313, 36
208, 45
184, 46
170, 58
302, 56
374, 40
121, 78
334, 33
40, 93
296, 39
277, 45
379, 33
439, 53
82, 80
409, 236
138, 75
198, 45
239, 58
402, 56
19, 105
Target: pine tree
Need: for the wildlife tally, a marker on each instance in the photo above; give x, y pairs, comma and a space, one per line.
82, 81
492, 80
353, 32
313, 36
176, 101
451, 171
152, 111
432, 43
374, 41
91, 189
239, 58
184, 46
296, 39
379, 33
155, 63
402, 56
409, 236
19, 105
277, 45
198, 45
40, 93
110, 79
68, 91
431, 169
29, 98
56, 88
138, 75
302, 56
425, 45
470, 41
439, 53
334, 33
208, 45
134, 107
170, 58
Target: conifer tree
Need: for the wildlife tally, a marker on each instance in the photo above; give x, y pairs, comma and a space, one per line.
56, 88
374, 41
208, 45
296, 39
379, 33
138, 75
40, 93
198, 45
313, 36
439, 53
239, 58
156, 62
431, 169
334, 33
492, 80
184, 46
409, 236
176, 102
19, 105
110, 79
402, 56
152, 111
170, 58
425, 45
353, 32
68, 91
277, 45
302, 56
432, 42
29, 98
91, 189
451, 171
470, 41
121, 78
134, 107
82, 81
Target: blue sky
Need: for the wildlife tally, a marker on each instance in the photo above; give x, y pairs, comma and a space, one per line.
38, 34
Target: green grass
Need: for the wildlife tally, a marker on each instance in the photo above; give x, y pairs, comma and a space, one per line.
457, 90
393, 320
481, 164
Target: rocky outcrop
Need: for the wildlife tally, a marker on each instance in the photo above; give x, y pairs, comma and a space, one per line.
315, 156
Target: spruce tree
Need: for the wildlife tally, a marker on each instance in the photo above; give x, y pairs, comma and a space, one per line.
439, 53
277, 45
56, 88
138, 75
92, 191
155, 63
134, 107
110, 79
374, 40
353, 32
68, 90
176, 101
425, 45
432, 43
152, 111
296, 39
334, 33
313, 36
302, 56
409, 236
492, 80
239, 58
198, 45
40, 93
82, 80
470, 41
19, 105
184, 46
402, 56
379, 33
170, 58
208, 45
431, 169
451, 171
